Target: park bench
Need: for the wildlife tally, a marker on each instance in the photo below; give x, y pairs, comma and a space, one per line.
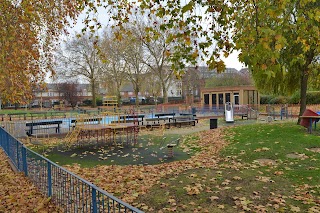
155, 120
85, 120
183, 120
43, 125
179, 123
128, 121
158, 115
132, 118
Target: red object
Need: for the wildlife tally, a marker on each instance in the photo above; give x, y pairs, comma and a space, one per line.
306, 121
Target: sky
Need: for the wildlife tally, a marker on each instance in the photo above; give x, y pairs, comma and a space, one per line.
231, 62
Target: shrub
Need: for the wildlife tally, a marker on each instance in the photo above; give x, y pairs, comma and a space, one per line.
87, 102
265, 99
295, 98
279, 100
99, 101
313, 97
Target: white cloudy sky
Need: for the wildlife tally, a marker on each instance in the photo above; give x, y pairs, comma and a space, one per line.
231, 62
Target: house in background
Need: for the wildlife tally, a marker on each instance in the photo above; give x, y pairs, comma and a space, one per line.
54, 93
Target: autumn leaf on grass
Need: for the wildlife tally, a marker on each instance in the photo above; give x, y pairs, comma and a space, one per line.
237, 178
193, 175
220, 206
294, 208
226, 182
278, 172
264, 179
73, 155
213, 198
172, 202
193, 190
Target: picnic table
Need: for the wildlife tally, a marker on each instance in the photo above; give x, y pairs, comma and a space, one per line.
155, 120
310, 119
86, 120
132, 118
158, 115
44, 125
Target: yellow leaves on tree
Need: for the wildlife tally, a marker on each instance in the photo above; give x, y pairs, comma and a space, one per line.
29, 30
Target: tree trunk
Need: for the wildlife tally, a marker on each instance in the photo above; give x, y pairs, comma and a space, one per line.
165, 93
93, 86
303, 92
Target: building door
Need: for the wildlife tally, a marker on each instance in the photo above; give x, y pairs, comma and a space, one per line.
206, 99
214, 99
220, 100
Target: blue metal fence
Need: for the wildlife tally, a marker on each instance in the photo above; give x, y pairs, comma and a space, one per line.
67, 190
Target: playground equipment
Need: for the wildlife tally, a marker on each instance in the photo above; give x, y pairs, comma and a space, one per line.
110, 101
93, 128
228, 108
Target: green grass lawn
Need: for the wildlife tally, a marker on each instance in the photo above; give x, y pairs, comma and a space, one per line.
286, 180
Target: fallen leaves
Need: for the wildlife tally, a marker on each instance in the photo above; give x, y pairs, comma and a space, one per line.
140, 178
18, 194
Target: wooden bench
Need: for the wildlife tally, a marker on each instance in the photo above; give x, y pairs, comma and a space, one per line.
181, 122
86, 120
155, 120
182, 118
127, 121
244, 116
158, 115
41, 125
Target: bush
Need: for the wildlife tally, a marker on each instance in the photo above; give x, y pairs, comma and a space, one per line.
279, 100
99, 101
313, 97
295, 98
265, 99
87, 102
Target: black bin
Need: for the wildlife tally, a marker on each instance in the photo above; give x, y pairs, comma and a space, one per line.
193, 110
213, 123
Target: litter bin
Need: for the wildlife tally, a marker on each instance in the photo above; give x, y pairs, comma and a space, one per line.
193, 110
213, 123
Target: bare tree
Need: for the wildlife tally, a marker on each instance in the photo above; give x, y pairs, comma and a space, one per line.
133, 55
114, 67
156, 50
79, 60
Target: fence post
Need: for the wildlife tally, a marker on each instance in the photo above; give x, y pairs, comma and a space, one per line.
18, 159
24, 160
94, 200
49, 180
7, 148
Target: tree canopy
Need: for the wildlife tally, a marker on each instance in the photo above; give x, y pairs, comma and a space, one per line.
278, 40
29, 29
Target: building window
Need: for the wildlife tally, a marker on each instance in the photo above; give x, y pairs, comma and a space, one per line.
236, 98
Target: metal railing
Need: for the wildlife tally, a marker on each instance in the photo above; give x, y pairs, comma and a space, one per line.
67, 190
